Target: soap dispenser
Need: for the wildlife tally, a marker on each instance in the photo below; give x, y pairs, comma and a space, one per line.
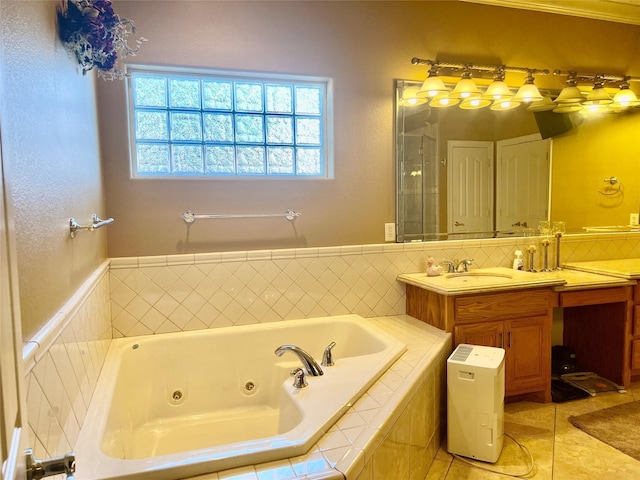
518, 262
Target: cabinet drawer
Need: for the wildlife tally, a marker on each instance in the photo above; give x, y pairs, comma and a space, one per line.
502, 306
595, 296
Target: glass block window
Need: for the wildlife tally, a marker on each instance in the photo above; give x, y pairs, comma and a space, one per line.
221, 124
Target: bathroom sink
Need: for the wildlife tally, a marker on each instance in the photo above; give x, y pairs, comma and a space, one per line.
478, 274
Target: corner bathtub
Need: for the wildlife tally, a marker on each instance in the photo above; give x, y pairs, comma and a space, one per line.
178, 405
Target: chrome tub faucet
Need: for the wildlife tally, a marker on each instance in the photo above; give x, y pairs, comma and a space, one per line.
310, 365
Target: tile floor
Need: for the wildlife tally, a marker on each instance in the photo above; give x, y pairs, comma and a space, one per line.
560, 450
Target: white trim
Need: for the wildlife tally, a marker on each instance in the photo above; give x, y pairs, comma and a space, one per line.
619, 11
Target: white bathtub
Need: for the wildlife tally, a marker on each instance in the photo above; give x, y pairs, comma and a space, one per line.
177, 405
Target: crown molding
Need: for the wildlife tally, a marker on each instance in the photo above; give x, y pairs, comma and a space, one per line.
620, 11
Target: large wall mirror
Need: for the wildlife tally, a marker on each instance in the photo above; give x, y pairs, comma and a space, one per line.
469, 173
483, 173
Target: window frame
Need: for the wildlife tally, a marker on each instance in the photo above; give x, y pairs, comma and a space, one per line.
326, 118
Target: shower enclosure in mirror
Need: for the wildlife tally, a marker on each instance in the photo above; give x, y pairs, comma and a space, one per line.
468, 173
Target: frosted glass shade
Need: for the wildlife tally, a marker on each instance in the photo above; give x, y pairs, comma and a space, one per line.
465, 88
598, 96
625, 98
474, 102
568, 107
497, 90
443, 100
432, 86
410, 97
505, 104
542, 105
570, 94
528, 93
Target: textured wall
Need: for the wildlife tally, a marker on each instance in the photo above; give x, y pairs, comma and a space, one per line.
51, 154
363, 46
583, 158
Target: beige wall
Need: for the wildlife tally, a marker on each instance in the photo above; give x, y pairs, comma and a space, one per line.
51, 156
582, 158
363, 46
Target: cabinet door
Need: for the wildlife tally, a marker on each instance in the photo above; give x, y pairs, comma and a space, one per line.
528, 357
484, 333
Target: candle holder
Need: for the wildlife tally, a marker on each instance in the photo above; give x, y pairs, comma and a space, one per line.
558, 230
532, 253
545, 249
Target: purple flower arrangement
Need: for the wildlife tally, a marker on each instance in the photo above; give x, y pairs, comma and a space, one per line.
96, 35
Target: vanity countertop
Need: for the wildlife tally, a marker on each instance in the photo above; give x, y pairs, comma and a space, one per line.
480, 280
582, 280
486, 280
628, 268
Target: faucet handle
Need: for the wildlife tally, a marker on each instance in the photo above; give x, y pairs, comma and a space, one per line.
38, 468
327, 357
450, 266
298, 378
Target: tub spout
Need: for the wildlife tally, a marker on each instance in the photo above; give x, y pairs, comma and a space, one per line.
310, 365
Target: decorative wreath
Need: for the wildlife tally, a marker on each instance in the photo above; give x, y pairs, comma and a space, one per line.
96, 35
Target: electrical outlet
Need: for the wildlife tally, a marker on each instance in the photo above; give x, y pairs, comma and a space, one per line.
634, 218
389, 232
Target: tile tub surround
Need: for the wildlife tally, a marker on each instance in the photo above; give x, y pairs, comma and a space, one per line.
393, 431
62, 363
189, 292
57, 356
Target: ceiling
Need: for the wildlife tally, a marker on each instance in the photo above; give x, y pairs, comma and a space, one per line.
621, 11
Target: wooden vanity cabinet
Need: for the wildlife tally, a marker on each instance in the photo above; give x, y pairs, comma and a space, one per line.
635, 335
518, 321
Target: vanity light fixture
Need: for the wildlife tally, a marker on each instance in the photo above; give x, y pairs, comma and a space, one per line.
543, 105
505, 104
625, 97
528, 92
471, 103
572, 97
570, 93
410, 97
466, 87
498, 89
443, 100
598, 99
433, 85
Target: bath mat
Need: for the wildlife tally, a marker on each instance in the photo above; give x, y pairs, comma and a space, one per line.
616, 426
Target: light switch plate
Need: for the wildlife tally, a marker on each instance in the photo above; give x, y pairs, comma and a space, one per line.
634, 218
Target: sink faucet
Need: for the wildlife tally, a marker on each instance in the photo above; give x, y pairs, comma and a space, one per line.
454, 266
465, 264
310, 365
